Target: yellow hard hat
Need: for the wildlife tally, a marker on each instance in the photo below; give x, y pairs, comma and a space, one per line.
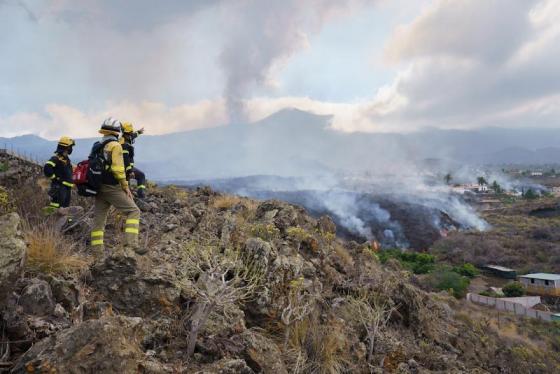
127, 128
66, 141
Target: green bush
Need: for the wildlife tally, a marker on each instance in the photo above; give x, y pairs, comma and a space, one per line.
418, 263
448, 280
530, 194
467, 270
514, 289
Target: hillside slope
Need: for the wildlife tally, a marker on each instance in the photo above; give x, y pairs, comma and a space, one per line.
295, 143
233, 285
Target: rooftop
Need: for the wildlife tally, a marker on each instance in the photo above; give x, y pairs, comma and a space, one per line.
497, 267
544, 276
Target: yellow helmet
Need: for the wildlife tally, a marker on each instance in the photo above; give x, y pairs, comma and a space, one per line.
127, 128
65, 141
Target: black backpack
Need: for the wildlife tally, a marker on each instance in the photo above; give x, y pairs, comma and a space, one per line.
97, 166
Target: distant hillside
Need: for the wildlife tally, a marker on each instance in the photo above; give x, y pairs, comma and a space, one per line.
293, 143
519, 155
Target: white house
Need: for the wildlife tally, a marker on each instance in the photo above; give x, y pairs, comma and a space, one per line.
541, 283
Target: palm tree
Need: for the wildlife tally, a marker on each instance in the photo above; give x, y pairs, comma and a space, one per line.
448, 178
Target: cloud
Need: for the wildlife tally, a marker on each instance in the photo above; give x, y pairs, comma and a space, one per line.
481, 30
193, 64
85, 53
158, 118
471, 63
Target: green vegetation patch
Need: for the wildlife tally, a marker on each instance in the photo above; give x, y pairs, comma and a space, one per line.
437, 276
445, 279
418, 263
514, 289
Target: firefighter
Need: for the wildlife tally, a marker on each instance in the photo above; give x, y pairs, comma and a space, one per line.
59, 170
132, 172
114, 191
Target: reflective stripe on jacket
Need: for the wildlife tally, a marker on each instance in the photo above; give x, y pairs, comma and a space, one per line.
59, 169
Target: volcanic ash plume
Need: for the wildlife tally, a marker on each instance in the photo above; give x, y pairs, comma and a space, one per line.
262, 34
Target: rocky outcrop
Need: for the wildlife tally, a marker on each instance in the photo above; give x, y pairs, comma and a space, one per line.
12, 253
107, 345
134, 286
261, 353
264, 287
37, 298
16, 169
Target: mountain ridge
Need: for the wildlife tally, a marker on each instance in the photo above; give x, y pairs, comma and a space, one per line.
292, 142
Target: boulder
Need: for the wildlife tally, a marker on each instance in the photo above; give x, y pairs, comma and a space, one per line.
37, 298
12, 253
228, 366
261, 353
64, 291
108, 345
281, 214
259, 250
137, 289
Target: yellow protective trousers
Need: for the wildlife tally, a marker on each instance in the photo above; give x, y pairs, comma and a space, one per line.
108, 196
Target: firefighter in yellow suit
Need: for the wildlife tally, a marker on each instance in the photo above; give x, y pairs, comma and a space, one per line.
114, 191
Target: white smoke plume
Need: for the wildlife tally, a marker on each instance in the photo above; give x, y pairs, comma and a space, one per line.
263, 34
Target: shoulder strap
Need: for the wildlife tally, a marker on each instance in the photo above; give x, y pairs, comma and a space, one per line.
98, 147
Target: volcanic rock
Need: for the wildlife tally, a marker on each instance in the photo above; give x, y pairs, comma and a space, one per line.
107, 345
12, 253
37, 298
262, 354
133, 287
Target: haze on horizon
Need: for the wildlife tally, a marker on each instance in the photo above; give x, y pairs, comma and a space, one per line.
375, 66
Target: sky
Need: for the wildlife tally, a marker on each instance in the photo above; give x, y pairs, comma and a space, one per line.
373, 65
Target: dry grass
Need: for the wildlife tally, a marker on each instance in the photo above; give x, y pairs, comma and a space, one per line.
49, 252
171, 193
317, 348
343, 254
226, 201
29, 200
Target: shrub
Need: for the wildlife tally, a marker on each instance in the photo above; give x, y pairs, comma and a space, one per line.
467, 270
448, 280
530, 194
6, 205
514, 289
298, 233
418, 263
266, 232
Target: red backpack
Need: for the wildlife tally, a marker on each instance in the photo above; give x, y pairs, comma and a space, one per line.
79, 176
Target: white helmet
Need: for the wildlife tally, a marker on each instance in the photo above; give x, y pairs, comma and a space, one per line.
111, 126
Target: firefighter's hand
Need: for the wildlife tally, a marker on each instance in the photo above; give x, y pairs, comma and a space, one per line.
126, 189
141, 131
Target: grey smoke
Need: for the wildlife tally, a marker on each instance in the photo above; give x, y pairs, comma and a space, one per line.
264, 33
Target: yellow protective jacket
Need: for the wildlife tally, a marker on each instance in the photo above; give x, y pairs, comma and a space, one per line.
116, 174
